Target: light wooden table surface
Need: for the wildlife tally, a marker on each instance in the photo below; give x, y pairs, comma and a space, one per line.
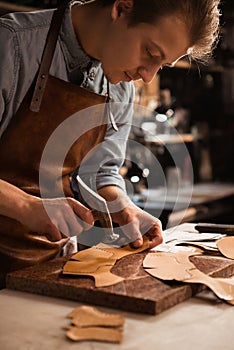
34, 322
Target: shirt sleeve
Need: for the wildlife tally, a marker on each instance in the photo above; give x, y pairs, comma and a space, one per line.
102, 167
8, 69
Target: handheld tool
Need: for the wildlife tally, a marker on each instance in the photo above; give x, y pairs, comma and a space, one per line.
99, 209
213, 228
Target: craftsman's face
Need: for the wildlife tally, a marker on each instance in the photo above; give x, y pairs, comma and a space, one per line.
132, 53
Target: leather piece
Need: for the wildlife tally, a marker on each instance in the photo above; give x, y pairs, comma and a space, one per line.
177, 266
19, 247
89, 323
86, 316
101, 274
107, 252
22, 159
226, 246
98, 261
110, 335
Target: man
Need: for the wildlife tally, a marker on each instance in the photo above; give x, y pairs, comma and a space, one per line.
102, 46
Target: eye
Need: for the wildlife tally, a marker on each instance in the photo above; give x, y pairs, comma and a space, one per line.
149, 53
153, 56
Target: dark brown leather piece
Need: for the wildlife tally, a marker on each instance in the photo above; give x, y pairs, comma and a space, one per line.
20, 248
22, 144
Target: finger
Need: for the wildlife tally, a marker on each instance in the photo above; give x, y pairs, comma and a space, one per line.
155, 241
137, 243
67, 220
53, 234
132, 231
76, 225
122, 241
62, 226
83, 213
155, 235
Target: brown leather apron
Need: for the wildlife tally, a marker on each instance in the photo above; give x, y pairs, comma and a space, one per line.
21, 148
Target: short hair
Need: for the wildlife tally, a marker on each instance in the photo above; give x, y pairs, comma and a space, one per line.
200, 16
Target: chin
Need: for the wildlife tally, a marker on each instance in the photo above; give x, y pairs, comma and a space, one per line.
113, 80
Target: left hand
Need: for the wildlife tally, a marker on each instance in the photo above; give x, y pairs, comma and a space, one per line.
133, 221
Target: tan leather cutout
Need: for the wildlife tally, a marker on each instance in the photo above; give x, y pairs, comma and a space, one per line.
92, 253
86, 266
111, 335
226, 246
201, 246
101, 274
106, 251
98, 260
177, 266
88, 323
86, 316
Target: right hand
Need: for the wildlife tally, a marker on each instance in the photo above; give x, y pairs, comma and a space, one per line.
56, 218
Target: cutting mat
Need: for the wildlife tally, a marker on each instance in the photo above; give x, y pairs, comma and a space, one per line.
139, 292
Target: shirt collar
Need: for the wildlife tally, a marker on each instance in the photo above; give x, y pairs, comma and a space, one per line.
74, 55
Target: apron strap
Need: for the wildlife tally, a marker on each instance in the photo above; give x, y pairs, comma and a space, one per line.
47, 57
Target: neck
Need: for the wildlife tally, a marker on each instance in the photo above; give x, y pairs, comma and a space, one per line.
90, 23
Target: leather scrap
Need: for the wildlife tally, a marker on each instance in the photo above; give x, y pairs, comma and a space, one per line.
89, 323
111, 335
86, 316
105, 251
177, 266
98, 260
226, 247
101, 274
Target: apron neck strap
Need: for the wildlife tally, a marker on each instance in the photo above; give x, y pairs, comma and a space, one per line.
47, 57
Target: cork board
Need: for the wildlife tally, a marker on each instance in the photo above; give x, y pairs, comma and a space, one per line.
139, 292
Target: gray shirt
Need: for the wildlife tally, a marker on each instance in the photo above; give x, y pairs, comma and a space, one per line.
22, 39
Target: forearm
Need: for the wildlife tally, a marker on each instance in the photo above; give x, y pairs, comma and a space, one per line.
116, 198
13, 201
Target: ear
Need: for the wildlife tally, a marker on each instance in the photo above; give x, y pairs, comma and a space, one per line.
121, 7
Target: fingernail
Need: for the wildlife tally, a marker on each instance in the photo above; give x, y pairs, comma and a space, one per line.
138, 243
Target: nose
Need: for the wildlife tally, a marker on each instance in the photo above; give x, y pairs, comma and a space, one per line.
148, 73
